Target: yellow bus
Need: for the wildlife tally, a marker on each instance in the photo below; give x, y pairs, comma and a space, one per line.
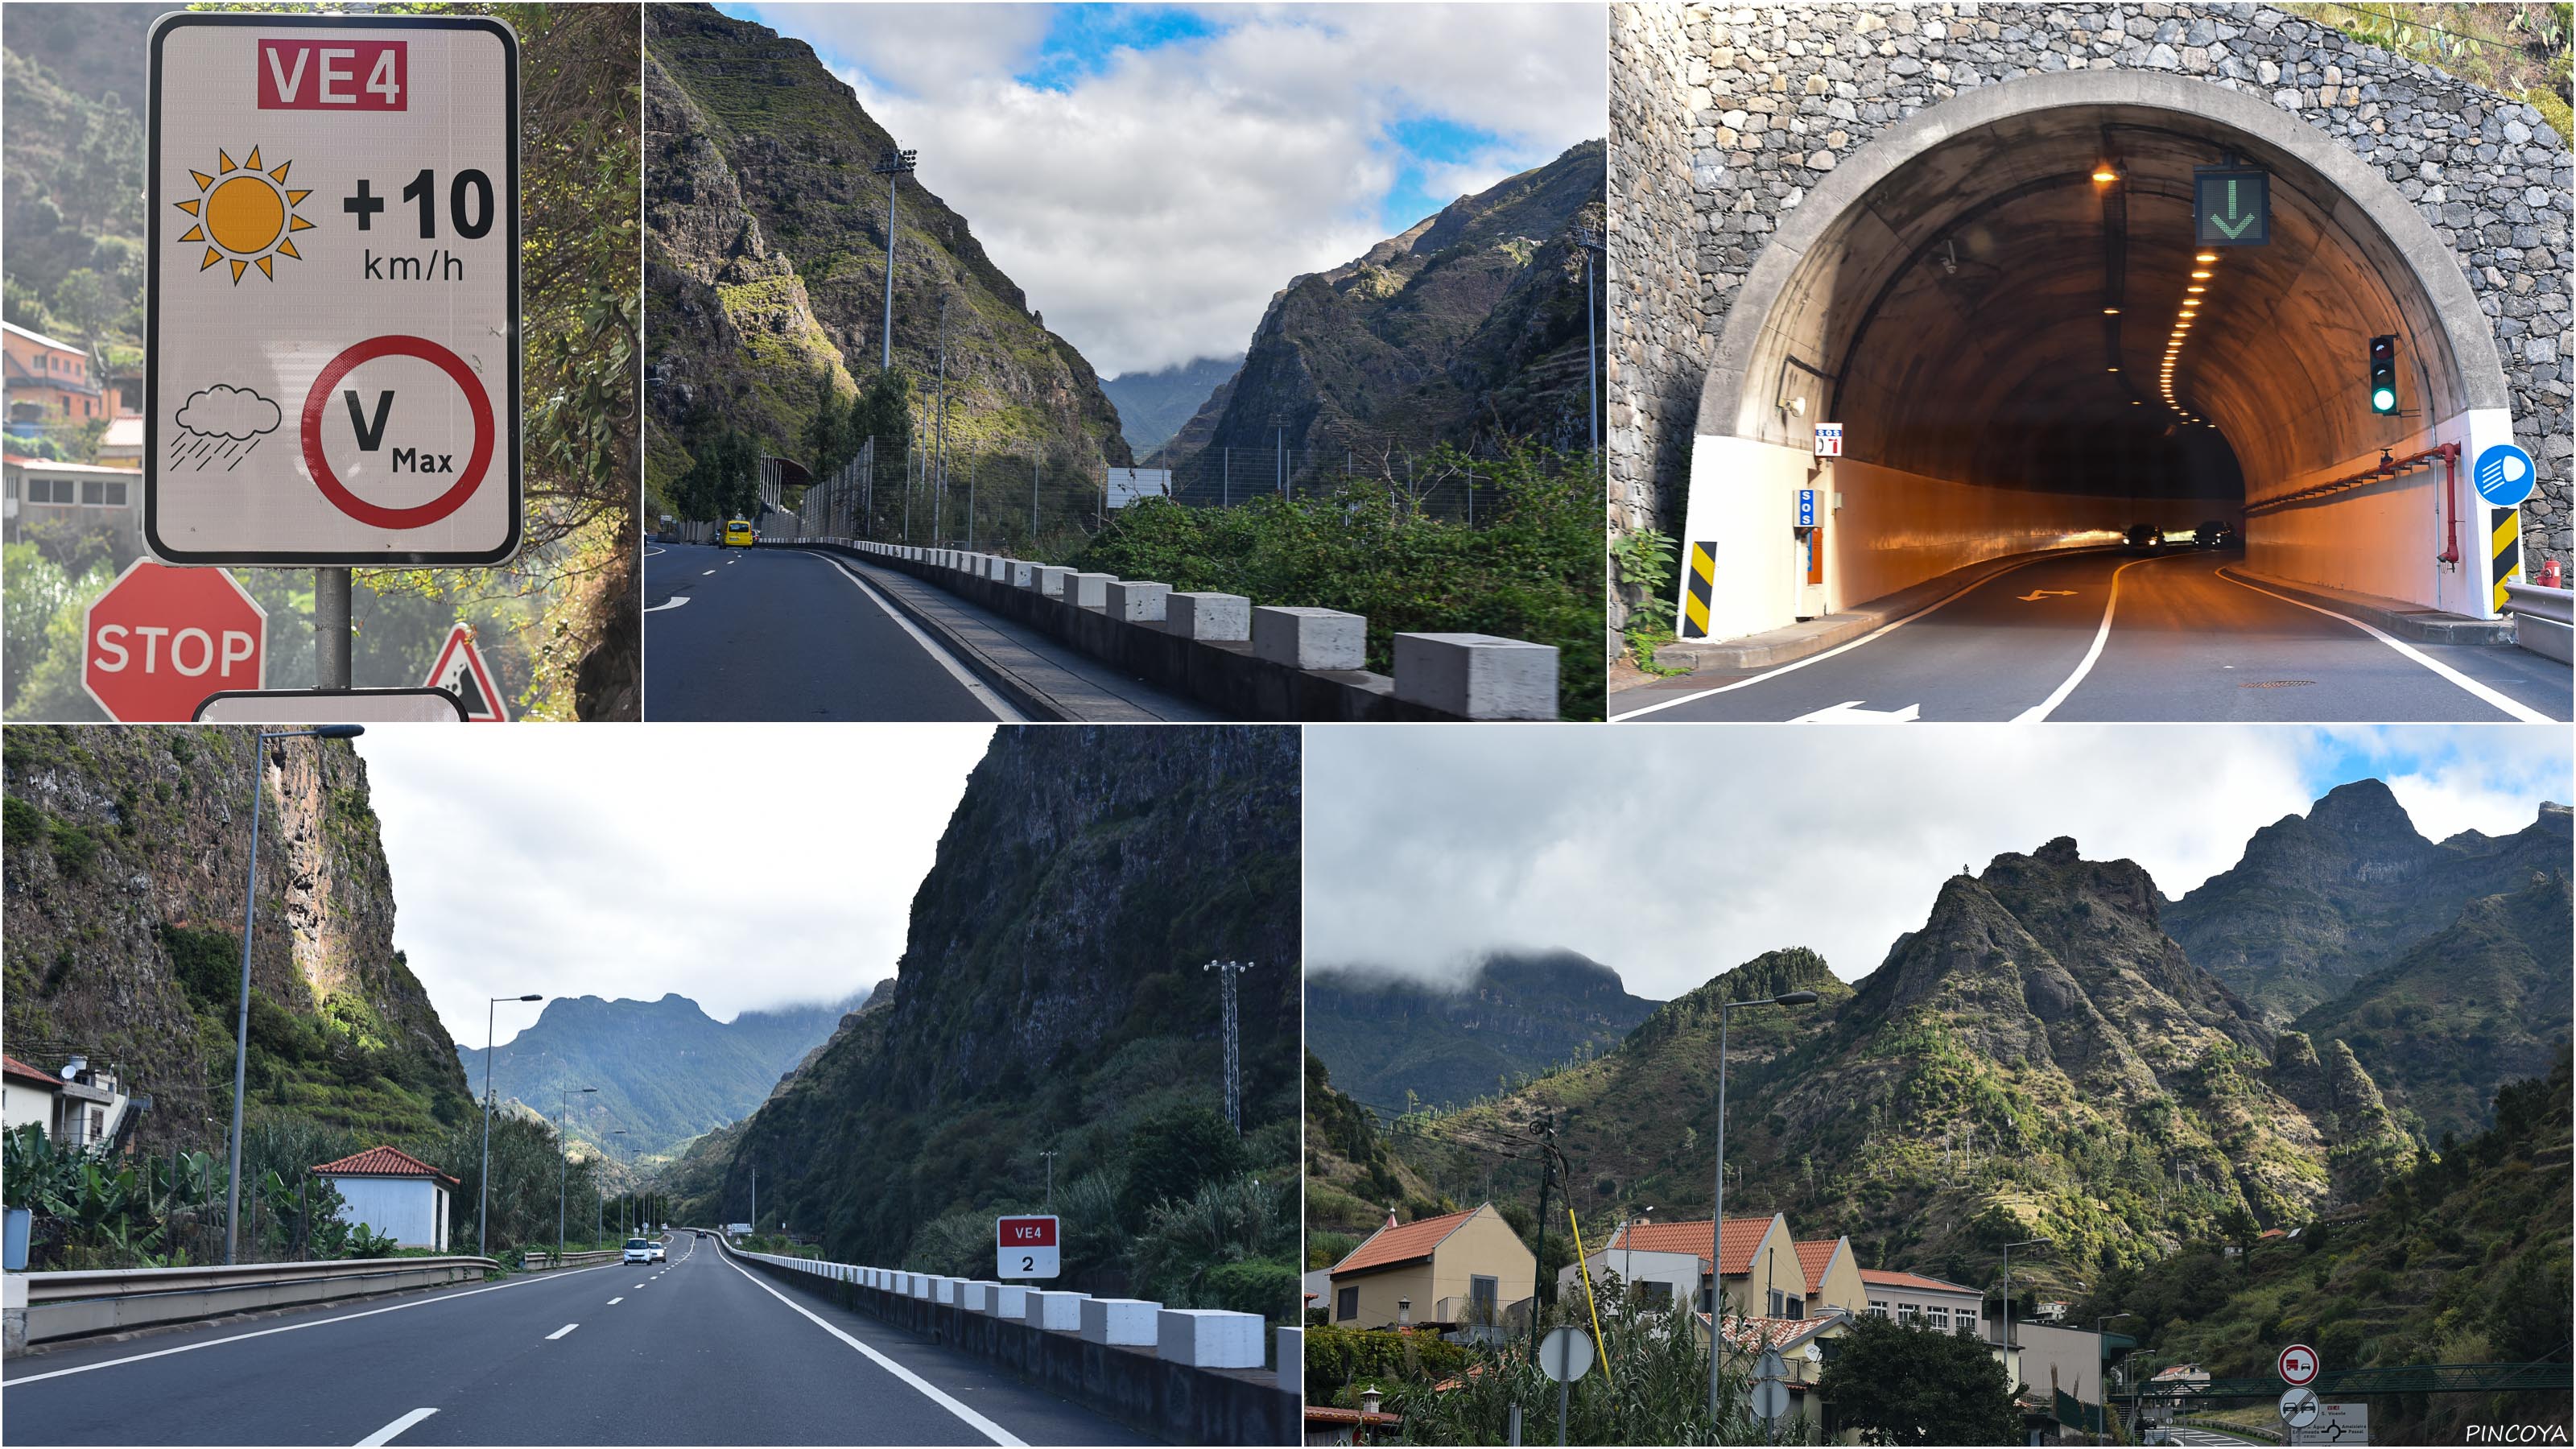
738, 534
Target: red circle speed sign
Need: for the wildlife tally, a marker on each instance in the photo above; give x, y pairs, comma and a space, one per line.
2298, 1365
317, 402
161, 639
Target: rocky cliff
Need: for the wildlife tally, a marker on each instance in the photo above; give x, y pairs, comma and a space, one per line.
126, 855
1467, 325
765, 249
1152, 406
1517, 1014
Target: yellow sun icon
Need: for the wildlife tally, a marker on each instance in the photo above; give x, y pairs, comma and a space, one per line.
245, 216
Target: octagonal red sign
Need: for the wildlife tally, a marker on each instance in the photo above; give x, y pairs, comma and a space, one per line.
161, 639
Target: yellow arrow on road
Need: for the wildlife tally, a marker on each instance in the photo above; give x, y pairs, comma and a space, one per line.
2037, 594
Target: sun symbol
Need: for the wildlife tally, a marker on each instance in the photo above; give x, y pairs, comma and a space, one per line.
245, 216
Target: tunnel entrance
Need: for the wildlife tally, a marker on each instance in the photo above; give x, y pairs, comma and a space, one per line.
2001, 302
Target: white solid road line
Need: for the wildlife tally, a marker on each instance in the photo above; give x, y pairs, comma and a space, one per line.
2101, 636
620, 1298
386, 1434
560, 1332
675, 601
2500, 700
982, 692
711, 573
1879, 633
969, 1417
17, 1381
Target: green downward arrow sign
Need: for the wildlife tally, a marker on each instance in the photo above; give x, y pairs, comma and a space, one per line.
2233, 223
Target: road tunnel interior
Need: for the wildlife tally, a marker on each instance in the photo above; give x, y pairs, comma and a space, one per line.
2025, 345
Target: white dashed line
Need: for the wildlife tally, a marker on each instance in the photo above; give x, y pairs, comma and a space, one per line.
386, 1434
560, 1332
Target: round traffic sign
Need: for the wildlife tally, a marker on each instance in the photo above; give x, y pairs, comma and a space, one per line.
317, 407
2504, 475
2299, 1408
160, 640
1770, 1399
1565, 1355
2298, 1365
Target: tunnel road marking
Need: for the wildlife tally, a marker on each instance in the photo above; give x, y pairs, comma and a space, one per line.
2101, 636
386, 1434
2502, 701
675, 601
2035, 595
982, 692
972, 1420
18, 1380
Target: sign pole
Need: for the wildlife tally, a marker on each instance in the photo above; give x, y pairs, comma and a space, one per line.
331, 628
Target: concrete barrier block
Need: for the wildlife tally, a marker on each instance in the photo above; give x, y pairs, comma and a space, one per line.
1011, 1301
1135, 601
1089, 591
997, 569
1304, 638
975, 1297
1024, 575
944, 1290
1054, 582
1125, 1321
1292, 1362
916, 1285
1476, 676
1208, 616
1209, 1337
1054, 1311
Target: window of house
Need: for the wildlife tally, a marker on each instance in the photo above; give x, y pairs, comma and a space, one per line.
1346, 1304
97, 1123
1940, 1318
116, 495
1797, 1307
93, 492
1877, 1308
1776, 1305
1656, 1295
1483, 1294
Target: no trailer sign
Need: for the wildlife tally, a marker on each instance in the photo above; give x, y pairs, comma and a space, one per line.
332, 369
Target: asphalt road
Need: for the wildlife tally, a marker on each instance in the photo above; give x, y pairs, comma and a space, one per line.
693, 1351
2179, 641
777, 634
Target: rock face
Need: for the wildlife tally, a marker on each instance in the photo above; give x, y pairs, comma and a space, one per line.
2319, 901
765, 260
1384, 1036
2039, 1059
1152, 406
665, 1070
1466, 325
1725, 118
127, 851
1052, 990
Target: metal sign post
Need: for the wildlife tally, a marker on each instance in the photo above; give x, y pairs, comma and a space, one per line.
1565, 1355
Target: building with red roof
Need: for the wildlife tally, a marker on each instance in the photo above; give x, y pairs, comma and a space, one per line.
389, 1191
1456, 1268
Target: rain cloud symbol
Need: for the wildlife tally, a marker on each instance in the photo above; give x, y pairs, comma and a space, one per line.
221, 424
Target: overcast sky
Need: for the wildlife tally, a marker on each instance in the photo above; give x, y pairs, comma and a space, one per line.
1150, 174
742, 867
1672, 853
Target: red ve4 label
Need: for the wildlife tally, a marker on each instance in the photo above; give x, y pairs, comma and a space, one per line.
333, 75
1028, 1232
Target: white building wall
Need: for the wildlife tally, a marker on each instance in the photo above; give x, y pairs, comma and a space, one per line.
24, 1105
1679, 1271
412, 1211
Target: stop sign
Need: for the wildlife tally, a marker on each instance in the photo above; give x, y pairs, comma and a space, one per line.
161, 639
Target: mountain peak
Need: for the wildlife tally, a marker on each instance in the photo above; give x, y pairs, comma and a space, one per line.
2364, 807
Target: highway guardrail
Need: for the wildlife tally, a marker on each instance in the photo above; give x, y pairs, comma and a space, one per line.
2544, 619
78, 1303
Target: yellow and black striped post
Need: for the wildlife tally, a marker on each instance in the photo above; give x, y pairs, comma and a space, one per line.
2504, 543
1701, 582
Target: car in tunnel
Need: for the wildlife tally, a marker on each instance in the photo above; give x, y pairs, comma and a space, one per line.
2214, 533
2146, 535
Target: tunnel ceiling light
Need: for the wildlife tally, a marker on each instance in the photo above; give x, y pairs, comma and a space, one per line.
2114, 369
2205, 258
2195, 291
2200, 276
2104, 174
2110, 311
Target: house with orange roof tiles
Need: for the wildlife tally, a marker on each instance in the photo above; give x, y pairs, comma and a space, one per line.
1465, 1268
1762, 1272
389, 1191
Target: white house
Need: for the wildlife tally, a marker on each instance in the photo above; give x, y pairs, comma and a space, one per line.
27, 1096
1949, 1307
81, 1106
390, 1191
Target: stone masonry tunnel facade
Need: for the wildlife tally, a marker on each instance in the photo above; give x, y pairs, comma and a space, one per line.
1963, 232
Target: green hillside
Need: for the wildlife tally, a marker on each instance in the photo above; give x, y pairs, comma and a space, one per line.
1396, 1043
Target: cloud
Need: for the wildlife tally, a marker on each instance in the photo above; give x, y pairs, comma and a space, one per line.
228, 412
742, 867
1672, 853
1152, 184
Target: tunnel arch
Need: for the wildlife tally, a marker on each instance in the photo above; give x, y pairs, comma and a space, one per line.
1878, 300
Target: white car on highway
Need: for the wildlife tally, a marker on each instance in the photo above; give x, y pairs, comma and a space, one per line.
639, 1250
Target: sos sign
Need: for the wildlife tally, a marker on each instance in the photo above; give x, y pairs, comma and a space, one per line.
1026, 1248
160, 640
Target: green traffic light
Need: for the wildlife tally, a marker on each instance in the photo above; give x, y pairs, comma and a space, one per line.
2385, 400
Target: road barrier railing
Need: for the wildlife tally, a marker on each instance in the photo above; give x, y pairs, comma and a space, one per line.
540, 1258
46, 1307
2542, 619
1187, 1375
1249, 660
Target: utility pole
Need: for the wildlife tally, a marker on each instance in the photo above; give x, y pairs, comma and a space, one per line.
1538, 1273
939, 488
1226, 972
755, 1199
1590, 242
891, 165
1036, 453
1049, 1155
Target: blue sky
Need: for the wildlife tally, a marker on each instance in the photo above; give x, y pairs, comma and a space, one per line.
1151, 175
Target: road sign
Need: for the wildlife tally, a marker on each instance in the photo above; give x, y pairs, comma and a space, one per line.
331, 706
2504, 475
461, 672
1829, 440
2347, 1423
2299, 1408
1565, 1355
332, 330
2298, 1365
1806, 508
2231, 206
161, 639
1026, 1247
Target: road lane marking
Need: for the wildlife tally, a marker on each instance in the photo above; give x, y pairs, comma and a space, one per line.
711, 573
560, 1332
2500, 700
676, 600
2101, 636
386, 1434
1879, 633
620, 1298
972, 1420
15, 1380
982, 692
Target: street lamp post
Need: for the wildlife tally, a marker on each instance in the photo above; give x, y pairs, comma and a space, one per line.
2098, 1321
563, 1164
892, 164
2008, 1319
621, 1188
483, 1182
250, 913
1717, 1224
1588, 242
